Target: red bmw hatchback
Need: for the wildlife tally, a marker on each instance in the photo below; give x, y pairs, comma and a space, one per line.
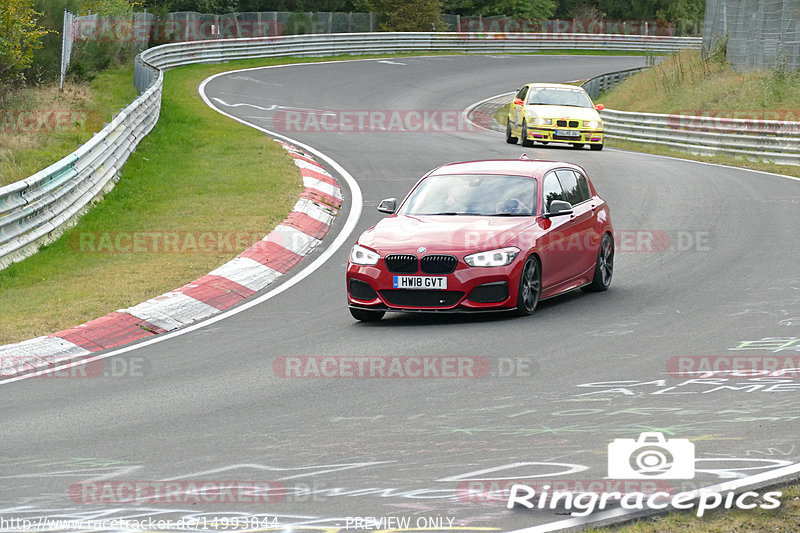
483, 236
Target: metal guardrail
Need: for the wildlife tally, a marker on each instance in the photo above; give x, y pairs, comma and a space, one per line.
36, 210
605, 82
174, 54
770, 140
774, 141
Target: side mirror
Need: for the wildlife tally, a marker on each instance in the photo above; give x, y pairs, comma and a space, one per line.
559, 208
599, 107
517, 101
389, 205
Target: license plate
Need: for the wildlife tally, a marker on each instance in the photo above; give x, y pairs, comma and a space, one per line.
568, 133
420, 282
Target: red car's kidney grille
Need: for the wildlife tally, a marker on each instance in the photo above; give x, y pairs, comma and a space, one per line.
402, 264
421, 298
439, 264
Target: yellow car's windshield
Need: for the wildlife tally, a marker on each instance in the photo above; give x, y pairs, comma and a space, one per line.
557, 96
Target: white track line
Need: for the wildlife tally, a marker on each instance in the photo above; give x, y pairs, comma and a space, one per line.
469, 109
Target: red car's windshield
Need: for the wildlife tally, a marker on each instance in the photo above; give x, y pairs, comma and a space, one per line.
480, 195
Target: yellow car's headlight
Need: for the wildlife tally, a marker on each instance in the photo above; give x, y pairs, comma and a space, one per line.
538, 121
593, 124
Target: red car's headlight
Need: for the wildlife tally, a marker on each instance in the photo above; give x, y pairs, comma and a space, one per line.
493, 258
363, 256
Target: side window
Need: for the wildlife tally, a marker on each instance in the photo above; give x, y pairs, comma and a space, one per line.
572, 191
521, 94
551, 190
584, 186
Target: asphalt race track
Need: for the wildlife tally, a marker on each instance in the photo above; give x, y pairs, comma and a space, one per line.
706, 265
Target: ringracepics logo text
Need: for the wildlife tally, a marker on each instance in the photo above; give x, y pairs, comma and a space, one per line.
585, 503
650, 458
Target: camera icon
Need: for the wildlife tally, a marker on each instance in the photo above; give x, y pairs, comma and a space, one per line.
651, 456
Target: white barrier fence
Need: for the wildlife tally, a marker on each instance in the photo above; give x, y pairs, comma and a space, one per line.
36, 210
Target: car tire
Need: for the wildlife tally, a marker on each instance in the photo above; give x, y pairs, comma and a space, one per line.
365, 315
527, 143
577, 146
509, 138
530, 287
596, 147
603, 267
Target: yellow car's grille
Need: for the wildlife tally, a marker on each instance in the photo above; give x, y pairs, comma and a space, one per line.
563, 123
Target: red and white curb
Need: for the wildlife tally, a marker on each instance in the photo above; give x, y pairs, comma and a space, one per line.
254, 269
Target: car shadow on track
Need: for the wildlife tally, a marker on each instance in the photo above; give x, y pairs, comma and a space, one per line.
438, 318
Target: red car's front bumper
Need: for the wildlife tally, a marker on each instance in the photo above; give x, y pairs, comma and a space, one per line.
468, 289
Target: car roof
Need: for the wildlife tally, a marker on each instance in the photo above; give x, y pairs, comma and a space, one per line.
556, 86
510, 167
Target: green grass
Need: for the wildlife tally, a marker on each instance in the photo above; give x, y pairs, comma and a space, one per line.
501, 115
785, 519
23, 153
685, 83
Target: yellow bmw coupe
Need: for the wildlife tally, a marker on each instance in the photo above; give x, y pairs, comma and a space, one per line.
552, 112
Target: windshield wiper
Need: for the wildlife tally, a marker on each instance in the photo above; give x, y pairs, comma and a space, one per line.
452, 213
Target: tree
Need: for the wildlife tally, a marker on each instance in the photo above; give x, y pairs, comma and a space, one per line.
523, 9
407, 15
106, 8
20, 37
